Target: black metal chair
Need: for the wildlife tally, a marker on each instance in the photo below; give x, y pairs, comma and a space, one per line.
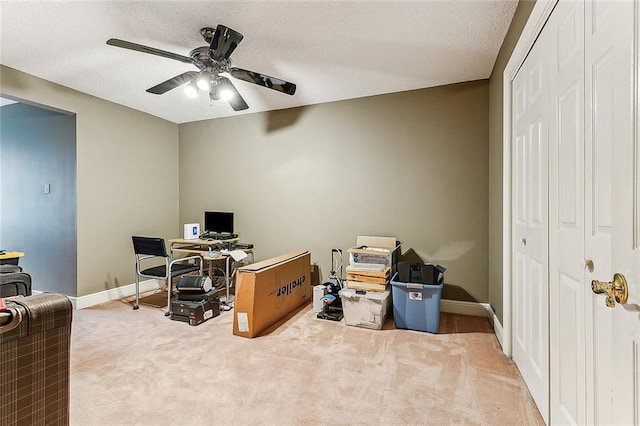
149, 248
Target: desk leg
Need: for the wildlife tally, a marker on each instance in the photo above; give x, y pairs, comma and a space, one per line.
169, 281
169, 290
226, 306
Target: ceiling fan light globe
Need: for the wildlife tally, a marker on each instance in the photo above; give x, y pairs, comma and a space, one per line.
203, 83
191, 90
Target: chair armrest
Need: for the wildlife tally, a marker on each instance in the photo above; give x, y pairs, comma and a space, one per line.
188, 258
183, 259
148, 256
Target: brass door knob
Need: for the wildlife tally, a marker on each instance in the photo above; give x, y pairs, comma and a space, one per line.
616, 290
588, 265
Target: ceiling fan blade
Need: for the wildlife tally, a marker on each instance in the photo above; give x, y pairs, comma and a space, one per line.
150, 50
236, 101
224, 42
172, 83
264, 80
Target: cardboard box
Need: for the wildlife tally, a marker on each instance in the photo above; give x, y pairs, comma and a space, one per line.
376, 250
268, 291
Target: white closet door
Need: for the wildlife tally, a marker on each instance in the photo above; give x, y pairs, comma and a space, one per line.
594, 213
567, 292
612, 208
530, 225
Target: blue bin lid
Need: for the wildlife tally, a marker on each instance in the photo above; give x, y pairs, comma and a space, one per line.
400, 284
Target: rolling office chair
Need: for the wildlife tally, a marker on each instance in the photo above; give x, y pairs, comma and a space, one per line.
147, 248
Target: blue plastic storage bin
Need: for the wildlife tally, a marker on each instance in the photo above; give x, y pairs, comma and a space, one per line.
416, 306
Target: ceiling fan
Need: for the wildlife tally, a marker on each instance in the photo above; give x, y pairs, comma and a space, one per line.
212, 61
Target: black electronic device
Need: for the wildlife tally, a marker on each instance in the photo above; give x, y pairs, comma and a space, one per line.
194, 312
420, 273
244, 246
194, 283
218, 223
331, 305
218, 238
331, 301
192, 296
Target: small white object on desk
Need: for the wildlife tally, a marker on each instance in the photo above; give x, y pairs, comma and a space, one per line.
191, 231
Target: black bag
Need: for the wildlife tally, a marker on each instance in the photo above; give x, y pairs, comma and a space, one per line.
420, 273
15, 284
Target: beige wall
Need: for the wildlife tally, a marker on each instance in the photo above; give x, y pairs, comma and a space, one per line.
413, 165
495, 155
127, 178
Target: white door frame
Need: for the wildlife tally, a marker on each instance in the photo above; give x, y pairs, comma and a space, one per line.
539, 15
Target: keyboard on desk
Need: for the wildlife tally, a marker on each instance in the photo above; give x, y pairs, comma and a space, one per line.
218, 237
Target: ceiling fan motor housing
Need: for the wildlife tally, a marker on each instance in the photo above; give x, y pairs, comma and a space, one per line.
207, 33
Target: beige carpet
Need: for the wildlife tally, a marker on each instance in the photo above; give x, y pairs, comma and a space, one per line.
157, 299
139, 367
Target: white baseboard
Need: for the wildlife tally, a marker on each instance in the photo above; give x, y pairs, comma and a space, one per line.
450, 306
114, 294
466, 308
497, 329
476, 309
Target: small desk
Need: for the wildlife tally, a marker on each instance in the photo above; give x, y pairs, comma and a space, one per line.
209, 250
10, 257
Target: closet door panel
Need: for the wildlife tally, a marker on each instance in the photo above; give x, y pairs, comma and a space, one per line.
569, 153
566, 216
603, 119
611, 117
569, 376
537, 175
530, 299
537, 295
521, 304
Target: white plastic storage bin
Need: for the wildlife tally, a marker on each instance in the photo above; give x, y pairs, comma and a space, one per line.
367, 309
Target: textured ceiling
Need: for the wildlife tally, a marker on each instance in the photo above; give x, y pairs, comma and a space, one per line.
332, 50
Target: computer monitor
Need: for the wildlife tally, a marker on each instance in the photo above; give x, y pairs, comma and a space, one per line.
218, 222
